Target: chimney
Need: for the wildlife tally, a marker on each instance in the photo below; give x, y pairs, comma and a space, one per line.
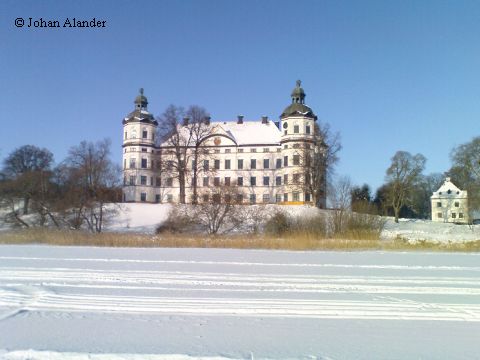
240, 119
185, 121
264, 119
207, 120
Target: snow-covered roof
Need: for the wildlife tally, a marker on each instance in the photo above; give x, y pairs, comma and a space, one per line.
251, 132
449, 189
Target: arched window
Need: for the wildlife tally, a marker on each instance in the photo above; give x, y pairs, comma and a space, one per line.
134, 133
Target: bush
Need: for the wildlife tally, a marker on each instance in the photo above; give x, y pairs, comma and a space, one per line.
278, 224
177, 222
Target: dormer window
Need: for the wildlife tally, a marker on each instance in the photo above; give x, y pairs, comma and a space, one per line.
449, 192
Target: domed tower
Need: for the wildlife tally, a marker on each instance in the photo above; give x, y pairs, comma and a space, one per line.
297, 124
139, 153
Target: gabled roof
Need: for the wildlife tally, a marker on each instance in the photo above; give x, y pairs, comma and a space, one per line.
449, 189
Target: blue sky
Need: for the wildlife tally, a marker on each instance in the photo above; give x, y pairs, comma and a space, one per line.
388, 75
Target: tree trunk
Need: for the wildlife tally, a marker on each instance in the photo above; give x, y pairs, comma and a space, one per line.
26, 202
396, 210
181, 181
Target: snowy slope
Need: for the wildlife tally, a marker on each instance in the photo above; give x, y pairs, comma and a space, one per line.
113, 303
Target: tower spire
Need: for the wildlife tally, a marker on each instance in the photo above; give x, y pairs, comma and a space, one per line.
141, 101
298, 94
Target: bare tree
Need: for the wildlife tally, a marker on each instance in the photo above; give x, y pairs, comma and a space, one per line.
402, 176
340, 195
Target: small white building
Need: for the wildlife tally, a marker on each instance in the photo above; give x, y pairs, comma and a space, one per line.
450, 204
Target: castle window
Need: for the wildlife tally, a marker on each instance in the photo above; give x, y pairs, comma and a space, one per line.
143, 197
239, 198
285, 197
439, 204
132, 180
278, 198
227, 164
240, 164
217, 151
460, 215
157, 198
205, 181
227, 181
266, 163
266, 198
144, 163
278, 180
194, 163
144, 150
296, 129
285, 161
296, 196
217, 165
278, 164
307, 129
449, 192
169, 198
240, 150
170, 182
144, 134
205, 165
279, 150
266, 150
439, 215
296, 159
253, 198
253, 181
216, 181
296, 146
266, 180
285, 146
158, 182
454, 215
133, 164
143, 180
253, 150
134, 134
227, 151
457, 204
240, 181
253, 164
285, 179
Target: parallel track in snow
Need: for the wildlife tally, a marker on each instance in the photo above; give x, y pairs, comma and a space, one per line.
230, 292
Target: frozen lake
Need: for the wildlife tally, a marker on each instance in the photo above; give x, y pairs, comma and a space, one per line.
189, 303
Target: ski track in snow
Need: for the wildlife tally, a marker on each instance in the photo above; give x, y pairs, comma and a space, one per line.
47, 290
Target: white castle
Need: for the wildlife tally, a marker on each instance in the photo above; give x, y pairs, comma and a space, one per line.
254, 161
450, 204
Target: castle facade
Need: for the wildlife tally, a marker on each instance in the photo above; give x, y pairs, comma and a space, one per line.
246, 161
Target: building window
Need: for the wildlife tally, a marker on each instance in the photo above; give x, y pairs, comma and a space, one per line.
253, 164
296, 159
143, 196
266, 198
240, 164
296, 146
279, 150
205, 165
133, 164
169, 198
460, 215
240, 181
439, 215
307, 197
439, 204
278, 180
285, 146
253, 198
266, 180
170, 181
143, 180
240, 150
454, 215
205, 181
144, 134
227, 151
253, 150
216, 181
285, 197
296, 196
457, 204
217, 151
278, 198
307, 129
158, 182
144, 150
144, 163
285, 161
227, 181
157, 198
285, 179
132, 180
266, 150
266, 163
296, 129
253, 181
194, 183
134, 134
278, 164
227, 164
217, 165
239, 198
193, 164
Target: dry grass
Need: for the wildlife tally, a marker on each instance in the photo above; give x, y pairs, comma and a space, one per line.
298, 242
